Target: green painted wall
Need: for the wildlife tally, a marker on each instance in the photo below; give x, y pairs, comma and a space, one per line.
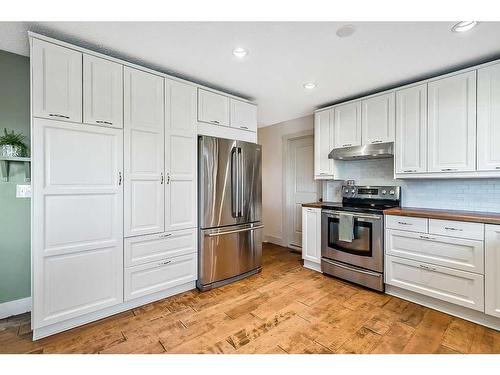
14, 212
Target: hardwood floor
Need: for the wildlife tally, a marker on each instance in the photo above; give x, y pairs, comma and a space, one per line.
284, 309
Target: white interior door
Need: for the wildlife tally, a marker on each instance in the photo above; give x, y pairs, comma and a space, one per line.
144, 203
301, 186
180, 156
77, 240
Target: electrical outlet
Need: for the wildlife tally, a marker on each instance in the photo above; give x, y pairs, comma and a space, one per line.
23, 191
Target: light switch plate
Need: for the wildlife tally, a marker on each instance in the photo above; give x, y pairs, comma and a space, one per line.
23, 191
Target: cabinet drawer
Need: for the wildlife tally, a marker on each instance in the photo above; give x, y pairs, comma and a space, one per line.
458, 253
413, 224
153, 247
460, 229
157, 276
458, 287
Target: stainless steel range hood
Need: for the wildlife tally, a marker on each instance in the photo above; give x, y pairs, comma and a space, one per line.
373, 151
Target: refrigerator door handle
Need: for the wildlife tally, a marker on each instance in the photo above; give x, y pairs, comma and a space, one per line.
240, 172
235, 231
234, 182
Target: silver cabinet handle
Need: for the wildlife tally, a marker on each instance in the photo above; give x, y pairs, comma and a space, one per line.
168, 178
161, 181
426, 238
403, 223
119, 178
497, 167
376, 141
244, 127
164, 263
409, 170
347, 144
235, 231
423, 266
104, 122
214, 121
448, 169
164, 235
56, 115
451, 228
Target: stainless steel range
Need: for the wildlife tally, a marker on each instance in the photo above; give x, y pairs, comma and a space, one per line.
352, 234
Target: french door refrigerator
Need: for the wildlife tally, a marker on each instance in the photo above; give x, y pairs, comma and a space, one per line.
230, 210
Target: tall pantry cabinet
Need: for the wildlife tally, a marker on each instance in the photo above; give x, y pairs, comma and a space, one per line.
114, 186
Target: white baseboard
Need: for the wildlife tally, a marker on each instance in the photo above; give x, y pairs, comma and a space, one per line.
274, 239
16, 307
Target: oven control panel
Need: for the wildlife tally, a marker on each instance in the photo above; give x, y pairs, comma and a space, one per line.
371, 192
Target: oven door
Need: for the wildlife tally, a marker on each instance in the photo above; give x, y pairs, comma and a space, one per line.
366, 249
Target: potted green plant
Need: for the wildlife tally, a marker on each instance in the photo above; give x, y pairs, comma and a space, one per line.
12, 144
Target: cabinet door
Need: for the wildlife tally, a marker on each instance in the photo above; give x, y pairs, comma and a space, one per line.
488, 118
323, 144
144, 153
452, 123
213, 108
411, 130
180, 156
492, 270
102, 92
311, 234
377, 119
77, 240
347, 125
57, 82
243, 115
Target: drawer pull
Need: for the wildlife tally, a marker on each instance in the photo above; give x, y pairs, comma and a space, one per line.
56, 115
448, 169
426, 267
451, 228
104, 122
165, 235
409, 170
403, 223
497, 167
347, 144
244, 127
164, 263
376, 141
214, 122
427, 238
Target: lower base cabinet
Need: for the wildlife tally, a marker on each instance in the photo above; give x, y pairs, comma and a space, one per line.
311, 238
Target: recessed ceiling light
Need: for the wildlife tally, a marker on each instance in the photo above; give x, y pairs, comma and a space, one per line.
462, 26
345, 31
240, 52
309, 85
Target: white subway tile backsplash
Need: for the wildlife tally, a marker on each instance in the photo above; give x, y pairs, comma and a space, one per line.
457, 194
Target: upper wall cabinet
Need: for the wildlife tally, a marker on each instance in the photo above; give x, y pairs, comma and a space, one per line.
243, 115
347, 123
102, 92
144, 194
452, 123
411, 130
213, 108
488, 118
377, 119
323, 144
57, 82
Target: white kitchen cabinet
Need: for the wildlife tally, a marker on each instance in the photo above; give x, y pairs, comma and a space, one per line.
77, 243
411, 130
452, 123
347, 124
213, 108
446, 284
243, 115
311, 238
180, 156
488, 118
492, 270
102, 92
154, 277
57, 82
323, 144
377, 119
144, 201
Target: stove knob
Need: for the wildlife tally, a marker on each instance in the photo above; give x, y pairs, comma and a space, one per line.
353, 191
392, 192
346, 191
384, 192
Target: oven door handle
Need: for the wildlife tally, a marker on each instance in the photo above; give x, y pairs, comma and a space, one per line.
336, 214
350, 268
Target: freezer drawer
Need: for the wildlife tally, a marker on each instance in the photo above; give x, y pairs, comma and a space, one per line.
229, 252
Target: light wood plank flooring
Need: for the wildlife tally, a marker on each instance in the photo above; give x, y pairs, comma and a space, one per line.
284, 309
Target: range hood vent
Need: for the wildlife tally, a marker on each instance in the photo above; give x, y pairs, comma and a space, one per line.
373, 151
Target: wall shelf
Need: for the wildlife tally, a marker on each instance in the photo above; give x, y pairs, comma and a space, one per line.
5, 166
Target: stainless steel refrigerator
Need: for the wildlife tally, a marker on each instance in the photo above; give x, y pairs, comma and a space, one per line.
230, 210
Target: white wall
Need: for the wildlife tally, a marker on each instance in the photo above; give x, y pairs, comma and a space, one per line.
457, 194
271, 139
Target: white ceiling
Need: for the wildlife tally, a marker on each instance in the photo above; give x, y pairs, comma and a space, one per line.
283, 55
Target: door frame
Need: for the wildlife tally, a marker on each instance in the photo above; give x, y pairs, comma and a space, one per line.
286, 139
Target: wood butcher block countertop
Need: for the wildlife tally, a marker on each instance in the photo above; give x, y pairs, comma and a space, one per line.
472, 216
320, 204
